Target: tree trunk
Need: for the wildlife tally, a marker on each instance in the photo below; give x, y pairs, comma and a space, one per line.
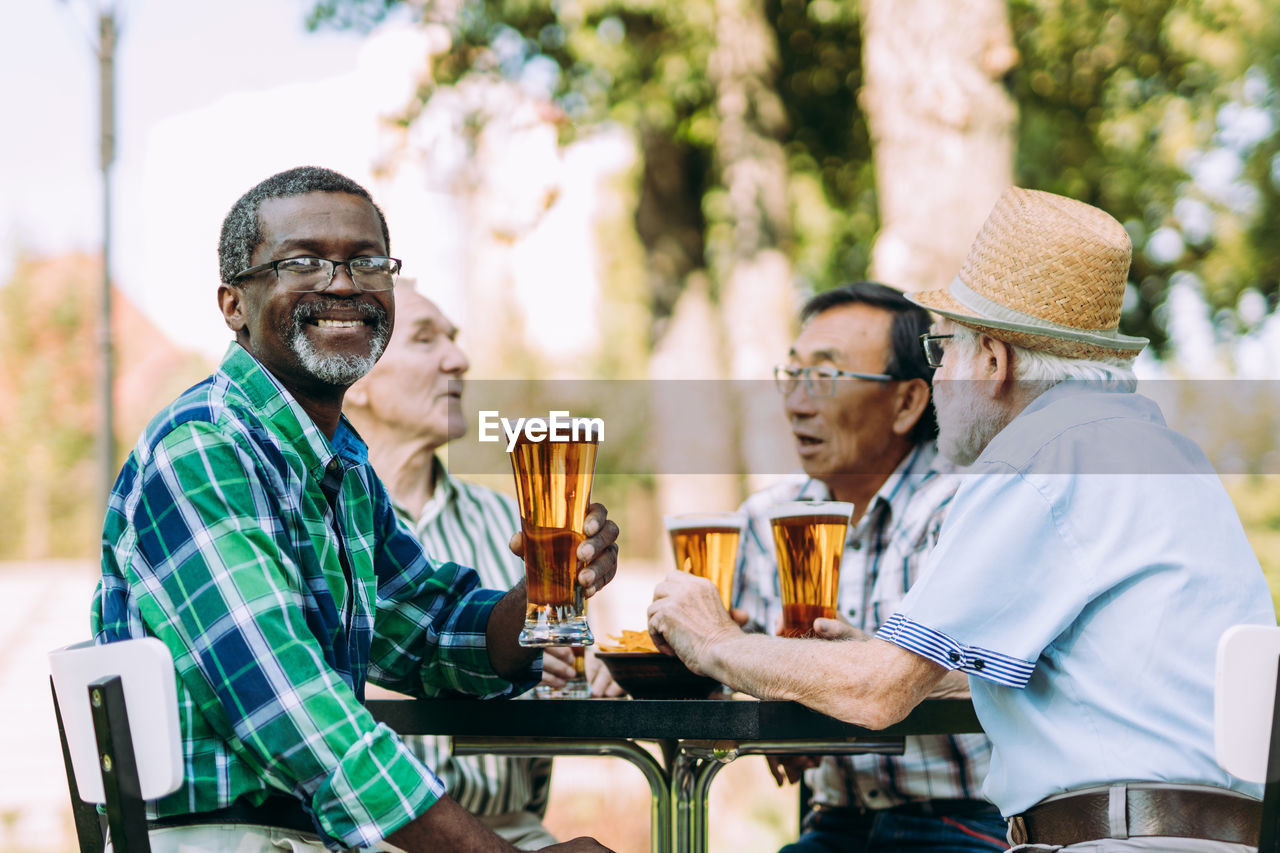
756, 293
942, 130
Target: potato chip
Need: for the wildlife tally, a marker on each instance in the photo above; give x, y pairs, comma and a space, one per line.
630, 641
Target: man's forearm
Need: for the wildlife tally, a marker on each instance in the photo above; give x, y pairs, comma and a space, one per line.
865, 682
506, 620
447, 826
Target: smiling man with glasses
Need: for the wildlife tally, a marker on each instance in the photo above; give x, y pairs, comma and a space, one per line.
249, 532
856, 392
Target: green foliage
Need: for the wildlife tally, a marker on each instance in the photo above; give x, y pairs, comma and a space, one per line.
1160, 111
47, 435
1257, 499
1138, 107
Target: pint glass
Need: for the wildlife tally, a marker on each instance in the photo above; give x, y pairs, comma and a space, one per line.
706, 545
575, 688
808, 537
553, 488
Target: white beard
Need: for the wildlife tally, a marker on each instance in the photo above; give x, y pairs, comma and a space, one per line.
335, 369
968, 418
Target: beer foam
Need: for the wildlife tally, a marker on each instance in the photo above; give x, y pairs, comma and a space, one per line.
802, 509
695, 520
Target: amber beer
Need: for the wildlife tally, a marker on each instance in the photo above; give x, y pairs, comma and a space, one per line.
808, 537
706, 545
553, 488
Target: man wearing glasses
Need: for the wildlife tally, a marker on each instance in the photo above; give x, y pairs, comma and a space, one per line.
250, 534
856, 392
1089, 564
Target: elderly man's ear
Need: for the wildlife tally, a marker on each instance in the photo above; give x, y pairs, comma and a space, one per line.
910, 403
229, 304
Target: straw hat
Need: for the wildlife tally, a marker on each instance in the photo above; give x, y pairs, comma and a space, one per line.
1046, 273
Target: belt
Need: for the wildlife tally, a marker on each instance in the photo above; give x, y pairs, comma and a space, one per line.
276, 811
1140, 809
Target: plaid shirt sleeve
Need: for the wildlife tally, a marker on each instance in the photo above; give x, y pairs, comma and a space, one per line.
422, 647
212, 576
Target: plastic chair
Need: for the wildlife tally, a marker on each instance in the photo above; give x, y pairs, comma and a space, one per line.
101, 695
1246, 707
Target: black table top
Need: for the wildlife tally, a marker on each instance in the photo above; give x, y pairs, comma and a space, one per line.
654, 719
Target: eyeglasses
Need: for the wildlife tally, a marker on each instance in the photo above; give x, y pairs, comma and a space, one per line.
315, 274
934, 349
819, 381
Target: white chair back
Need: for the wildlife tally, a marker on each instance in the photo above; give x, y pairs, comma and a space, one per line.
1244, 699
146, 670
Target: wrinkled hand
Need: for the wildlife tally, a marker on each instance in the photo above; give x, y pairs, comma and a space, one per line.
557, 665
790, 768
686, 618
601, 680
598, 553
837, 629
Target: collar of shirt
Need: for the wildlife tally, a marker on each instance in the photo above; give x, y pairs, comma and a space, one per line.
285, 415
917, 466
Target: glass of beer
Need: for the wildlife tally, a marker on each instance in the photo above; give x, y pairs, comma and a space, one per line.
808, 537
553, 488
575, 688
706, 545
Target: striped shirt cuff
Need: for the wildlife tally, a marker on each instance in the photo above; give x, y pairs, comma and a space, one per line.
378, 787
944, 651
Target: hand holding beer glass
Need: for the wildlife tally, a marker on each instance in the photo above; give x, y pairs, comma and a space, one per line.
706, 545
553, 488
808, 537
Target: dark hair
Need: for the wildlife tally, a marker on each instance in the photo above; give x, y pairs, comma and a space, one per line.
910, 321
240, 231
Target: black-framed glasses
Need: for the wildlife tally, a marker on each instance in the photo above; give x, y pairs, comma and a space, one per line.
934, 348
819, 381
314, 274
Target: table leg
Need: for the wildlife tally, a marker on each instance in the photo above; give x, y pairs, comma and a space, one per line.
697, 763
660, 787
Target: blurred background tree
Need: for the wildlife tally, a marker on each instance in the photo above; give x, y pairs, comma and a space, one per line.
1162, 113
49, 424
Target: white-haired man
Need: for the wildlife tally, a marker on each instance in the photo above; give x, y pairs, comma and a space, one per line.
1092, 560
407, 408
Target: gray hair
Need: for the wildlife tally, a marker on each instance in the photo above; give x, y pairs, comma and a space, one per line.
240, 231
1038, 371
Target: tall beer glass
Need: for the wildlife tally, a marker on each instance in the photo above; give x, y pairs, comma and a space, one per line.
808, 537
706, 545
553, 487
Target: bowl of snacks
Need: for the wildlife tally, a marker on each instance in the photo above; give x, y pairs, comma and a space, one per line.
646, 673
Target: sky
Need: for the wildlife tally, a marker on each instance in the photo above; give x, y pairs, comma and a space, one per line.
211, 98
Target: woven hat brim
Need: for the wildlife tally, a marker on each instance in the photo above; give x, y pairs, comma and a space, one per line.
1074, 343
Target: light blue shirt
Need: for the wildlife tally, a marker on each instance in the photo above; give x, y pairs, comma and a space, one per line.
1092, 560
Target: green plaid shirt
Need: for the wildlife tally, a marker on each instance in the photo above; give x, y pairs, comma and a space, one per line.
222, 539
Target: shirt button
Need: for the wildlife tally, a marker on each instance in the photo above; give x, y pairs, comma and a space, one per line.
856, 544
979, 664
954, 657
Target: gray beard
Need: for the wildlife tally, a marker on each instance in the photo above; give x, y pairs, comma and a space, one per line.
967, 422
336, 369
